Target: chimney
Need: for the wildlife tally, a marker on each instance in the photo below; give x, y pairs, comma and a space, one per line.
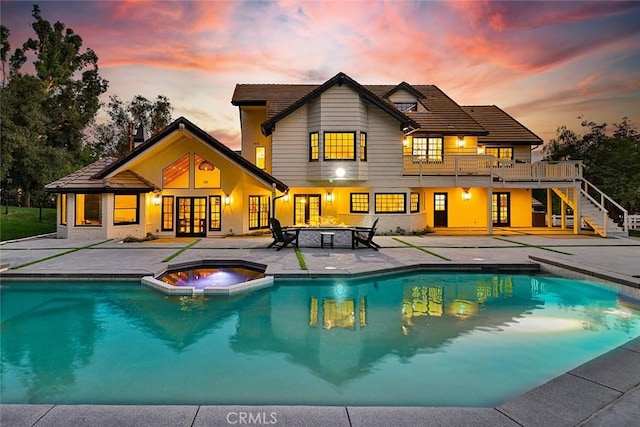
139, 137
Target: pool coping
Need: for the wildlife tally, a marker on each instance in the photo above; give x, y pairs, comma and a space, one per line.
603, 391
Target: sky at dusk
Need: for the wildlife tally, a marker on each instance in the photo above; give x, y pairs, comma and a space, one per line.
544, 62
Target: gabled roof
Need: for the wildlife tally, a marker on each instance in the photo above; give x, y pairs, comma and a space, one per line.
501, 126
444, 115
97, 176
282, 95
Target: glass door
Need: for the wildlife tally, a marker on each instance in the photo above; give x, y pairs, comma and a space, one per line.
192, 217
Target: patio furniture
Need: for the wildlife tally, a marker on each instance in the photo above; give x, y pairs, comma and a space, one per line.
329, 236
282, 238
364, 235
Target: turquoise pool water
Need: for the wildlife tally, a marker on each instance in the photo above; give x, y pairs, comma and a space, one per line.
412, 339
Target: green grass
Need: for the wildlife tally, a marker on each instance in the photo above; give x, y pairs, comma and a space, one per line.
634, 233
25, 222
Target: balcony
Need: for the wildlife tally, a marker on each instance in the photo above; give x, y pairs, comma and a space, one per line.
492, 168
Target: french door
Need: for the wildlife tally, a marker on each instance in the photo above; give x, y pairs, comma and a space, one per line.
191, 217
306, 209
501, 210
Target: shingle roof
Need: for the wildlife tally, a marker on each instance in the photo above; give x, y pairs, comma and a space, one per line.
445, 116
501, 126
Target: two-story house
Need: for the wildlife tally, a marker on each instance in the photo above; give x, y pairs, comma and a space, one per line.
335, 153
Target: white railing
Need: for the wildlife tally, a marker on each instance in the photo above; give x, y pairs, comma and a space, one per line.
634, 222
484, 165
606, 201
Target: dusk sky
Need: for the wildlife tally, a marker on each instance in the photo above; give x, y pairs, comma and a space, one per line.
545, 63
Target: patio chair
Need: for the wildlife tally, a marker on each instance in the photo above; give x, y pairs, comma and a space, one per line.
282, 238
365, 236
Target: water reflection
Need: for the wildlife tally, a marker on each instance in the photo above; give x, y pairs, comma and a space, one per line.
339, 331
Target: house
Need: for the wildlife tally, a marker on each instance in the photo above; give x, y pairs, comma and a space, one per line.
335, 153
182, 182
407, 154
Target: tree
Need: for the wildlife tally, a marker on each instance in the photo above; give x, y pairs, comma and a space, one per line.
611, 161
44, 116
112, 138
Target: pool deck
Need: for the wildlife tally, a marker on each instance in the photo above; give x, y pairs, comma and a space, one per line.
602, 392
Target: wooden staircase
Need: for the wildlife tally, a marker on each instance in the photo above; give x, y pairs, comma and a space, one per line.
597, 214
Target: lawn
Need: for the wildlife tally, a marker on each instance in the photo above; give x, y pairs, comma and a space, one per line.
25, 222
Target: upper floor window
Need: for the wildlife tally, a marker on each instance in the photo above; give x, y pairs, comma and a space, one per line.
261, 154
206, 174
176, 175
339, 145
429, 149
504, 153
363, 146
406, 107
390, 203
314, 147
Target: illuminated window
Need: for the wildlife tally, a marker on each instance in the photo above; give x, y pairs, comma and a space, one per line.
260, 157
440, 202
363, 147
125, 209
88, 209
504, 153
415, 202
390, 203
359, 202
176, 175
167, 213
206, 174
314, 148
429, 149
339, 145
215, 213
500, 211
258, 212
306, 209
63, 209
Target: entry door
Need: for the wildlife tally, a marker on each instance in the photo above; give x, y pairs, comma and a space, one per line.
440, 210
306, 209
192, 216
500, 210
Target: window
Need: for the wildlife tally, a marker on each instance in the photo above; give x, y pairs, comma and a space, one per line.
415, 202
258, 212
390, 203
314, 147
260, 157
88, 209
176, 175
504, 153
215, 213
359, 202
363, 147
206, 174
429, 149
339, 145
167, 213
306, 209
63, 209
406, 107
125, 209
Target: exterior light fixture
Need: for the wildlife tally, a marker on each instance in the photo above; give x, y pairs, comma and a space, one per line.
480, 149
285, 197
156, 199
329, 197
340, 172
461, 142
405, 142
466, 195
227, 199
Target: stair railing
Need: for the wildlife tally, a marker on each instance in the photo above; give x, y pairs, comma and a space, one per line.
622, 217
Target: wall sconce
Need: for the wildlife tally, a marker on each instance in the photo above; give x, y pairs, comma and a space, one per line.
285, 197
156, 199
329, 197
405, 142
466, 195
227, 199
480, 149
461, 142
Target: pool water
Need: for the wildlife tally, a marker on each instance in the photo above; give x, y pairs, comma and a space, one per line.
404, 340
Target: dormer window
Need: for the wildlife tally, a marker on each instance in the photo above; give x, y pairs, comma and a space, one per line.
406, 107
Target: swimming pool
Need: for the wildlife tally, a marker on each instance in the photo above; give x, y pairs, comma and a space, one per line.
404, 340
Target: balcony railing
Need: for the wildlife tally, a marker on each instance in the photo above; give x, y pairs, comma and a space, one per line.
495, 169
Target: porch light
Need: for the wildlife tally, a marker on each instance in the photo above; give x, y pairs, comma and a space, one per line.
466, 194
340, 172
156, 199
286, 197
227, 199
480, 149
405, 142
461, 142
329, 197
